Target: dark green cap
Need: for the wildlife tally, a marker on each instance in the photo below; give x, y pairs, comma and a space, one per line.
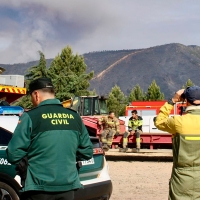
40, 83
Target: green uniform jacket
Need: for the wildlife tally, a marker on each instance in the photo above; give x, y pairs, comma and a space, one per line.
135, 123
53, 138
185, 130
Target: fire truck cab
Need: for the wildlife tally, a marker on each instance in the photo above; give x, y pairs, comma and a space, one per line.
150, 108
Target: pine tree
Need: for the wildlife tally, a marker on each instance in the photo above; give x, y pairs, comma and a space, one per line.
68, 73
136, 94
188, 84
39, 70
93, 93
33, 73
117, 101
153, 93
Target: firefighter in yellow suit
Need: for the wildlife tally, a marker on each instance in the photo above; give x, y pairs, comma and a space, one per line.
134, 127
111, 128
185, 130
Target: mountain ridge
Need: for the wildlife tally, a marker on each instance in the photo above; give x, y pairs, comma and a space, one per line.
171, 65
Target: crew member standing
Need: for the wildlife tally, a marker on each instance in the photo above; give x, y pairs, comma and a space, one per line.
134, 127
185, 130
111, 128
52, 138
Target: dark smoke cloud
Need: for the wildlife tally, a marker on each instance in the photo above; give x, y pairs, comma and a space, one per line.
48, 26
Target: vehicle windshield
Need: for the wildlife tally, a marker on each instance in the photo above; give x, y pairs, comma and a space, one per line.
103, 107
76, 103
96, 107
87, 107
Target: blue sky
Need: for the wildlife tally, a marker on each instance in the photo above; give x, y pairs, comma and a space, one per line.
29, 26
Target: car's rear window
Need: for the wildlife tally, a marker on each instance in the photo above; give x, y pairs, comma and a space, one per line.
5, 136
95, 144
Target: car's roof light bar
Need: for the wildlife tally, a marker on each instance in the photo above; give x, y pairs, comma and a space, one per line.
11, 110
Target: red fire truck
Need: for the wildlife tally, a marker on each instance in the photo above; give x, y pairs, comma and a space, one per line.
91, 108
151, 137
147, 108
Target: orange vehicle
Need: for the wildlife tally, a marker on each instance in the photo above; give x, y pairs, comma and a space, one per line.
10, 93
11, 87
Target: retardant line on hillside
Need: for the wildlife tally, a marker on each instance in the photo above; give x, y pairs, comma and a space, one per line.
100, 75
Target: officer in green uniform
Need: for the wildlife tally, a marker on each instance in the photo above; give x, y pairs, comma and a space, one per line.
134, 127
53, 139
111, 128
185, 130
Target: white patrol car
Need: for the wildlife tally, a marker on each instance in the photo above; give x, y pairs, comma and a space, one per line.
93, 174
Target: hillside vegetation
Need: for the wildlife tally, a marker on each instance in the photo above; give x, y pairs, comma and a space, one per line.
171, 65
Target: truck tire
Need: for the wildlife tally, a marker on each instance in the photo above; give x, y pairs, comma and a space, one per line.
7, 193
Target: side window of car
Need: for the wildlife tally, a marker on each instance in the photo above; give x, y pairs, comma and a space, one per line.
5, 136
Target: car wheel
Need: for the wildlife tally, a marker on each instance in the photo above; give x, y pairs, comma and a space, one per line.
7, 193
105, 197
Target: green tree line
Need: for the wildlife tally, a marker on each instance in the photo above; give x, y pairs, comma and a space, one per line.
117, 101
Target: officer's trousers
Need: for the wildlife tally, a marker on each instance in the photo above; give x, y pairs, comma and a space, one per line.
107, 136
125, 139
42, 195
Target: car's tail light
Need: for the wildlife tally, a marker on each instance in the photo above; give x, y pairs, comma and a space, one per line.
97, 151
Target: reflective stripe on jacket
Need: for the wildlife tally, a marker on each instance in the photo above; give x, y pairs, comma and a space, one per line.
53, 138
135, 123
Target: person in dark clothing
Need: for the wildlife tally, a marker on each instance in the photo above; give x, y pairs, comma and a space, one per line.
4, 103
53, 139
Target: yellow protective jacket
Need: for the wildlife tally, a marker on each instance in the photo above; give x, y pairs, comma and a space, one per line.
185, 130
135, 124
110, 123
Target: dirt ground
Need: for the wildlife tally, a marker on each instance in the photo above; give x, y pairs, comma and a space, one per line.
139, 180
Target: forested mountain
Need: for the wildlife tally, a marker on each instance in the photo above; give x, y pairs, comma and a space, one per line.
171, 65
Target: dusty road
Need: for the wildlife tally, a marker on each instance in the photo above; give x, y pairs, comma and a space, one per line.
139, 180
